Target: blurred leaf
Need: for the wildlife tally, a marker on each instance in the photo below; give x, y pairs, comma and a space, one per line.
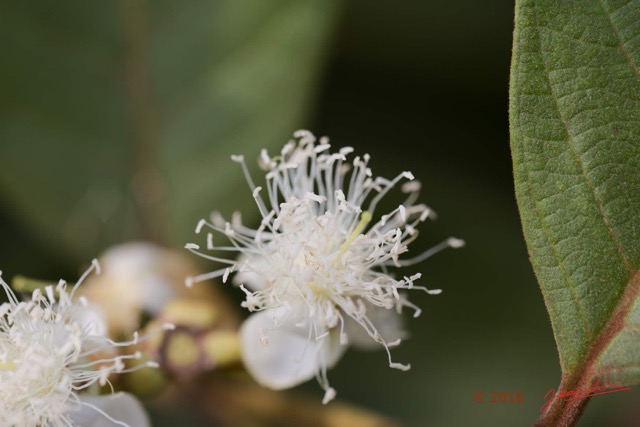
118, 118
575, 123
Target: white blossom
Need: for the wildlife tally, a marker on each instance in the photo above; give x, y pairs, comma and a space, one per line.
316, 270
122, 407
137, 278
53, 350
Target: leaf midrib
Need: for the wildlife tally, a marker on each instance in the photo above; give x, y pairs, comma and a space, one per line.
572, 146
585, 374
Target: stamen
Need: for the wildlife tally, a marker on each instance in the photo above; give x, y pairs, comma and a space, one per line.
449, 243
329, 395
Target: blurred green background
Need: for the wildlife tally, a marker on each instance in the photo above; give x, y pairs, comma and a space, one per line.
117, 119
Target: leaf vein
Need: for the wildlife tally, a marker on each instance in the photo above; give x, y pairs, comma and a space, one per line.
571, 143
623, 48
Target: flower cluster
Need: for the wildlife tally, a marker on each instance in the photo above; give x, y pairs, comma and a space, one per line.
53, 348
316, 270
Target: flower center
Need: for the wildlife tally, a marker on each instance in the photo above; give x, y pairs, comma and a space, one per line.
7, 366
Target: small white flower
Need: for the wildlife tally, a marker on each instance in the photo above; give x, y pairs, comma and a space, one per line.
123, 407
52, 348
137, 278
316, 269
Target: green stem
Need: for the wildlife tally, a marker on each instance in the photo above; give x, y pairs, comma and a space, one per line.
27, 284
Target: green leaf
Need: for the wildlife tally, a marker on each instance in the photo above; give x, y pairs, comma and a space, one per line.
575, 139
119, 117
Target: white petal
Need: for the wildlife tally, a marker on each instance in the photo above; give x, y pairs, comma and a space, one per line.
142, 268
387, 322
121, 407
92, 319
289, 357
253, 279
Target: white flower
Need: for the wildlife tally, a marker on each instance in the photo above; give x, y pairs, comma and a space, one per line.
122, 409
316, 269
138, 278
53, 348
